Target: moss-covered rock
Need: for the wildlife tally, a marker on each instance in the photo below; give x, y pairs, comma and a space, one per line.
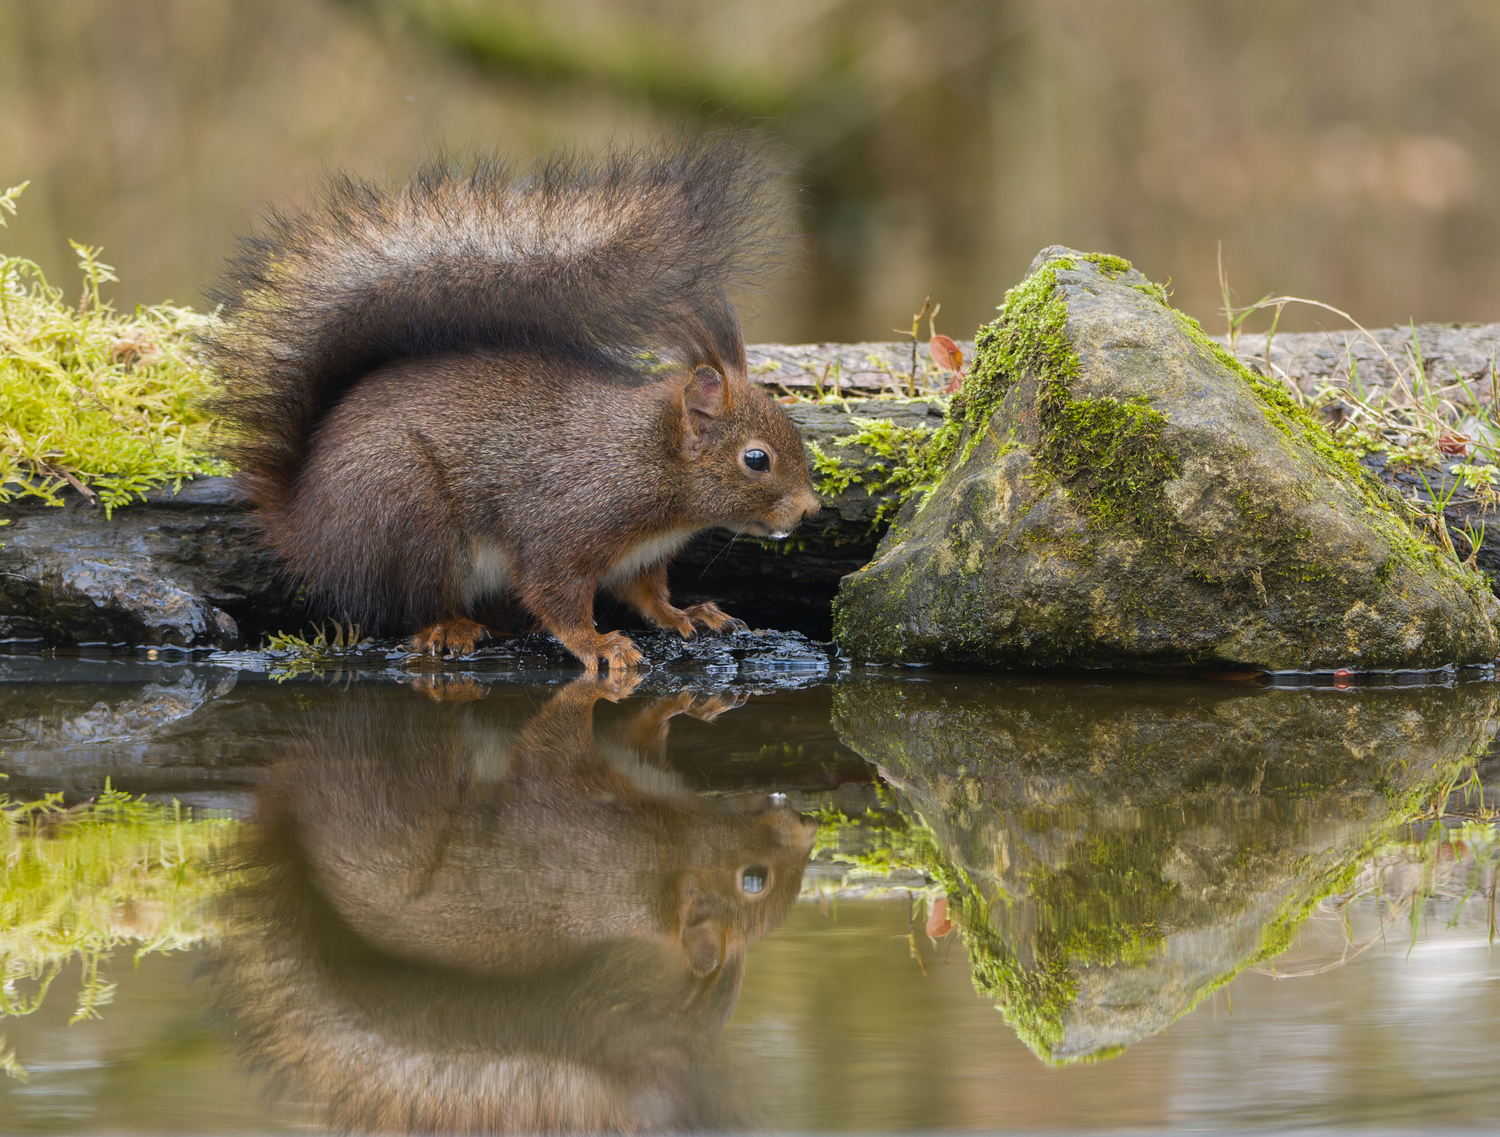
1118, 490
1115, 853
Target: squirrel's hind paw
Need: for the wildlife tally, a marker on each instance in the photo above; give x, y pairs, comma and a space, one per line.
615, 649
456, 636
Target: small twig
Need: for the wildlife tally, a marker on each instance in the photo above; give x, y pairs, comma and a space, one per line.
62, 472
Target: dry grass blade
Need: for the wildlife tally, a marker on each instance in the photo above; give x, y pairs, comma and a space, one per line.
1406, 417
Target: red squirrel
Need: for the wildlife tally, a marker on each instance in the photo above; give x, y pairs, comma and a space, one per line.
494, 382
459, 920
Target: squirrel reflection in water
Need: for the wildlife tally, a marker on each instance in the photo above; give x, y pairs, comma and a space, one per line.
456, 927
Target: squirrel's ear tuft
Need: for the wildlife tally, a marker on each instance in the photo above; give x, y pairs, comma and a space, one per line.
705, 398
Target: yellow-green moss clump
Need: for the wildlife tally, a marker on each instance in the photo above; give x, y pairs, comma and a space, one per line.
110, 404
81, 882
901, 463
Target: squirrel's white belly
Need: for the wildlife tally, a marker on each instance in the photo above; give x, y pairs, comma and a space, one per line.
645, 554
489, 570
489, 564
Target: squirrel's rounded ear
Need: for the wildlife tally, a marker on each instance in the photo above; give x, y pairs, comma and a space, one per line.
704, 399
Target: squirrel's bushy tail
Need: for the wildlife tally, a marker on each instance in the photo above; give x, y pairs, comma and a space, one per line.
601, 259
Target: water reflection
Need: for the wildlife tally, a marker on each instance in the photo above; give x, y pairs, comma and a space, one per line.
505, 912
1115, 852
460, 923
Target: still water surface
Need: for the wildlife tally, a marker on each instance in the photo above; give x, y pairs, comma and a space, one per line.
788, 902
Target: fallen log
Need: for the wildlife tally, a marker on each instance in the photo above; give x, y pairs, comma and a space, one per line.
184, 569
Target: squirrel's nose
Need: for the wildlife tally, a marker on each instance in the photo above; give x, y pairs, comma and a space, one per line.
810, 503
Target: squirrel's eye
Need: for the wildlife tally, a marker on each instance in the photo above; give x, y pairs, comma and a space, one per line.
758, 460
753, 879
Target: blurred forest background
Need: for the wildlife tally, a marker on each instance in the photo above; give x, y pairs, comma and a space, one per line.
1342, 150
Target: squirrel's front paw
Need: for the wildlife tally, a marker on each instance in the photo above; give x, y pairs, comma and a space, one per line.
458, 636
714, 618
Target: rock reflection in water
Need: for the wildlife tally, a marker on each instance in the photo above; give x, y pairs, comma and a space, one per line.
1116, 852
457, 926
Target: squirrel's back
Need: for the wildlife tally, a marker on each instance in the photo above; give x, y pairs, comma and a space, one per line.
610, 261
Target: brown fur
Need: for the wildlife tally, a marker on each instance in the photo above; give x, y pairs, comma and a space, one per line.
441, 397
452, 927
